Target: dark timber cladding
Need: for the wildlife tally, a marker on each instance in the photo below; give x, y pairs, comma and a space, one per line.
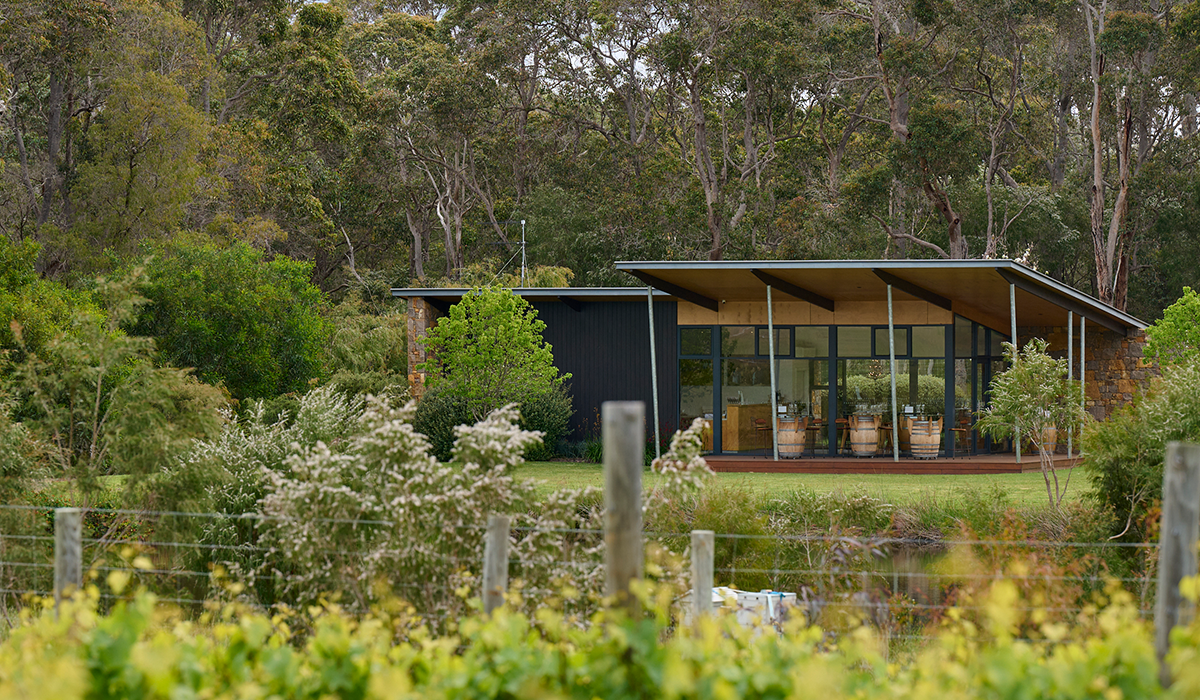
605, 346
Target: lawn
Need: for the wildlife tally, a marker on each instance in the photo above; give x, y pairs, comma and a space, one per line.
1026, 489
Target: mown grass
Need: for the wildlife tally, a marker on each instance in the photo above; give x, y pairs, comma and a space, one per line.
1026, 490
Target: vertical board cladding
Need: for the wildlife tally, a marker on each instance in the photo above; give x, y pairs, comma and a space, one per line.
605, 346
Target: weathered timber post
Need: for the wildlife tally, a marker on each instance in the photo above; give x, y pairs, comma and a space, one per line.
495, 562
703, 545
623, 426
68, 552
1177, 554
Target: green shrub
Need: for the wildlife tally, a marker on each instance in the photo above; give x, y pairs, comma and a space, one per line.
236, 317
1123, 456
369, 383
550, 413
489, 351
439, 412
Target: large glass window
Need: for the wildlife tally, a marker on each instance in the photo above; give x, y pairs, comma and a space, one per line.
737, 341
696, 396
929, 341
746, 405
695, 341
725, 375
854, 341
783, 342
812, 341
964, 345
883, 347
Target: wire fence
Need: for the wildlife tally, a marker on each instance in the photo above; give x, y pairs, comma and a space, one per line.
902, 585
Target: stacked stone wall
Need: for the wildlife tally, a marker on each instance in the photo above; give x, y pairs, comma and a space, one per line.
420, 317
1115, 368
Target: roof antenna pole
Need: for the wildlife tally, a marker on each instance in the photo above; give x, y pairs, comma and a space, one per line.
522, 252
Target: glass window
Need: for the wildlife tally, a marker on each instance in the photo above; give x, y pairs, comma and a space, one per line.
695, 341
997, 348
783, 342
737, 341
929, 341
812, 341
881, 342
854, 341
963, 345
746, 405
696, 396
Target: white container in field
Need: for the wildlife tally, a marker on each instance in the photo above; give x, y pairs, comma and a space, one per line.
766, 607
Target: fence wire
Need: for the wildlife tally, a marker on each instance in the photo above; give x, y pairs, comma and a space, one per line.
904, 585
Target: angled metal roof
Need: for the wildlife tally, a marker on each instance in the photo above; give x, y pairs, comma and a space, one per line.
453, 294
977, 289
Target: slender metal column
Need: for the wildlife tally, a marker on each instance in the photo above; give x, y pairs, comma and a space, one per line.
892, 357
771, 354
1082, 367
1012, 313
654, 372
1070, 368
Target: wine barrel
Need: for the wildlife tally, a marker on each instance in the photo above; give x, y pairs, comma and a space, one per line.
1049, 440
864, 435
792, 435
926, 436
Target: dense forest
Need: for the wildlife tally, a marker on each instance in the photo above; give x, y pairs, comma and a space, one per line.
413, 143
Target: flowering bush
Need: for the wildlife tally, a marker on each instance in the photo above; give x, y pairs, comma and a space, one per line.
383, 517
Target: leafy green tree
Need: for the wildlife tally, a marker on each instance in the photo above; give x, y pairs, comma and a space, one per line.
1176, 336
251, 323
489, 351
41, 308
144, 164
1035, 394
102, 406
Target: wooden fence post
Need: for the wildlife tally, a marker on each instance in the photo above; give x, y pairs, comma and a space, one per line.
623, 426
68, 552
1179, 532
495, 563
703, 544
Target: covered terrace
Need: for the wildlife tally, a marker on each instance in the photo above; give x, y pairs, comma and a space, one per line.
829, 361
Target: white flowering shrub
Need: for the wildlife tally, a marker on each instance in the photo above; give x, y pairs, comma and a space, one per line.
384, 518
241, 457
684, 472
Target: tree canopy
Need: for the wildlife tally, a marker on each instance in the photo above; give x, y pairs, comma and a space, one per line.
412, 139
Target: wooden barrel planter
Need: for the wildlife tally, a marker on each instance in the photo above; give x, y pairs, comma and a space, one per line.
926, 437
793, 432
864, 435
905, 433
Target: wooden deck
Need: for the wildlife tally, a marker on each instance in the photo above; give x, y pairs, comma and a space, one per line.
974, 464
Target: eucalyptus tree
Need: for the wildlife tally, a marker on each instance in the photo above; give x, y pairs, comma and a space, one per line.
47, 52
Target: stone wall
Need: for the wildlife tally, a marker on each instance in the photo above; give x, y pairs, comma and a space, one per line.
1115, 367
420, 317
